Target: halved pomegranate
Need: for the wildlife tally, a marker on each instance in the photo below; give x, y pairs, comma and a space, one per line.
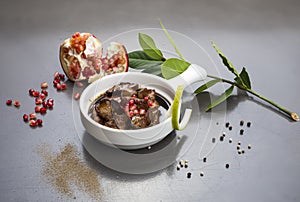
81, 58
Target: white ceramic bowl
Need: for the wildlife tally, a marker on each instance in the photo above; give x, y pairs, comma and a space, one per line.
139, 138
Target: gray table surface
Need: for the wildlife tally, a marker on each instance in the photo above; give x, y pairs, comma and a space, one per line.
261, 35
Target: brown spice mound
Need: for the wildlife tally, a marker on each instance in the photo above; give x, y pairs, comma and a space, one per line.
65, 171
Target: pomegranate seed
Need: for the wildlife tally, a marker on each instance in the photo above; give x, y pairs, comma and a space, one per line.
17, 103
56, 75
76, 96
25, 117
38, 101
45, 103
36, 93
133, 107
55, 83
62, 77
142, 111
131, 102
32, 116
44, 85
42, 96
150, 104
146, 98
50, 100
134, 96
43, 110
37, 109
131, 113
50, 105
32, 123
136, 111
8, 102
58, 87
63, 86
31, 91
44, 92
39, 122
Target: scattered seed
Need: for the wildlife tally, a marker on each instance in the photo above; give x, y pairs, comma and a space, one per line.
31, 92
241, 123
227, 125
32, 116
37, 109
17, 103
178, 167
43, 110
44, 92
39, 122
25, 117
186, 161
186, 165
8, 102
239, 151
35, 93
243, 151
224, 134
241, 132
63, 86
213, 140
189, 175
238, 147
249, 146
230, 140
58, 87
76, 96
248, 124
227, 166
221, 138
239, 143
230, 127
44, 85
201, 174
56, 75
204, 159
32, 123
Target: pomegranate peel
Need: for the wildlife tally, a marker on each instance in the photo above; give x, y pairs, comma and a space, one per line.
81, 58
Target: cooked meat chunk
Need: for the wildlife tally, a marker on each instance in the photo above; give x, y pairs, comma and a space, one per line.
122, 121
145, 92
153, 113
140, 122
126, 106
104, 109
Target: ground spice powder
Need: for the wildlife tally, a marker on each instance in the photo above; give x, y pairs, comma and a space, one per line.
66, 172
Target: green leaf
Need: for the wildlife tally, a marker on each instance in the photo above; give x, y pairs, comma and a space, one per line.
171, 40
245, 77
140, 60
139, 55
226, 61
155, 71
149, 47
173, 67
220, 99
207, 85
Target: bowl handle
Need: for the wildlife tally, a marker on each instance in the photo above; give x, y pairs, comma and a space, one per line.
191, 75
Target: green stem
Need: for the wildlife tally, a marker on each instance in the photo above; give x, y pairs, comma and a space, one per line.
292, 115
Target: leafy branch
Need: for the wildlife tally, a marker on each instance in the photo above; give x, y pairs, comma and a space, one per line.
151, 60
